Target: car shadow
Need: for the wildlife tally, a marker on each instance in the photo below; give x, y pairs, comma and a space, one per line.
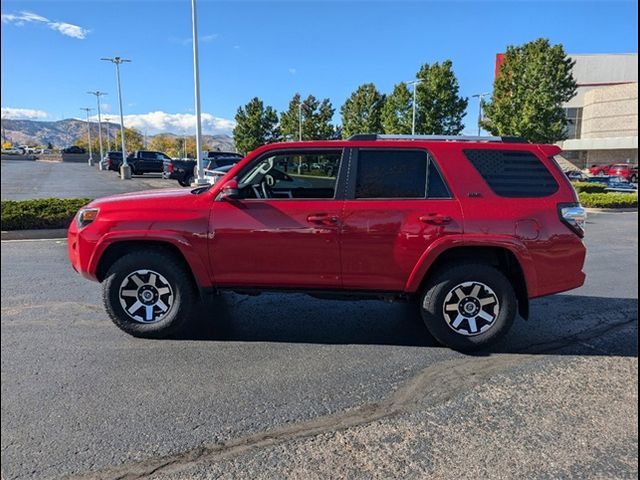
560, 324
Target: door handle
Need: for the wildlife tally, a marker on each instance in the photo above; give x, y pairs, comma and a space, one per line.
323, 218
436, 219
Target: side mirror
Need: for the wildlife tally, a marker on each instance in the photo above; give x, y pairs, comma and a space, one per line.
229, 190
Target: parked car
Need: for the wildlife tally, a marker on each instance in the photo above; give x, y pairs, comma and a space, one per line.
73, 149
212, 176
141, 161
626, 171
469, 230
112, 161
184, 169
621, 185
577, 176
13, 151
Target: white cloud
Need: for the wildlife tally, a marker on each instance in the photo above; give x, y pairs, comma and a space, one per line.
293, 71
185, 41
23, 114
209, 38
162, 122
67, 29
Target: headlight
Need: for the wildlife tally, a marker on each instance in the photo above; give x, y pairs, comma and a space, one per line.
86, 216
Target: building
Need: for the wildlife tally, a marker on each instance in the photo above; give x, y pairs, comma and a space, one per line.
603, 115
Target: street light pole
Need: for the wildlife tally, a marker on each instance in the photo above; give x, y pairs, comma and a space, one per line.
87, 110
98, 94
196, 87
107, 120
480, 96
300, 120
125, 169
413, 114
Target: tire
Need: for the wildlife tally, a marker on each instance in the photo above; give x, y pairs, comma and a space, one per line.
633, 179
157, 302
188, 181
485, 310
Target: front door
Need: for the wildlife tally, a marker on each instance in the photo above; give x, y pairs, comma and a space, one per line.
283, 229
397, 205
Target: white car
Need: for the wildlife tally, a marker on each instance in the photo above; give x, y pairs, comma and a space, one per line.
13, 151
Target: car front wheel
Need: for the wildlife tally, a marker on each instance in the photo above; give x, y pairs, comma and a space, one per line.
149, 293
468, 306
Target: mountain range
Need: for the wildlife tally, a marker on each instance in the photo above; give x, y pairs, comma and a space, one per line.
62, 133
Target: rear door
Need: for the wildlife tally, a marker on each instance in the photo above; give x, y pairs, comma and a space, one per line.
397, 205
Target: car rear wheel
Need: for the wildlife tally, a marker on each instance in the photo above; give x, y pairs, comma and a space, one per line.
633, 178
468, 306
149, 294
186, 181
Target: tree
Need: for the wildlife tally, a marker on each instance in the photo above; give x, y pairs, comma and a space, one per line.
316, 118
528, 93
439, 108
133, 140
165, 143
256, 125
397, 113
361, 113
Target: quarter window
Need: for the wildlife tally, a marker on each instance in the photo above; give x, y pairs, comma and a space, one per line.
513, 173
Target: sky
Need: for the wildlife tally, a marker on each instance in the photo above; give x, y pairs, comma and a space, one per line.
51, 50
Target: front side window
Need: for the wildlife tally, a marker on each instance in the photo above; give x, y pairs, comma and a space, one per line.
292, 174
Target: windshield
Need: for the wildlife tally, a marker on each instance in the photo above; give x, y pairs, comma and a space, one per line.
224, 162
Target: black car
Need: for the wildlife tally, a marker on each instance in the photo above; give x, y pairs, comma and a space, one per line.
142, 161
185, 170
112, 161
74, 149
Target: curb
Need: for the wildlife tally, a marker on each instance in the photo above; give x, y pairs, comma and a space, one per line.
612, 210
44, 234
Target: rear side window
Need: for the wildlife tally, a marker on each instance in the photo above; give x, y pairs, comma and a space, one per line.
386, 173
392, 174
513, 173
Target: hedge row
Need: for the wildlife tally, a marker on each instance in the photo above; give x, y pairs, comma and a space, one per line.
608, 200
39, 213
588, 187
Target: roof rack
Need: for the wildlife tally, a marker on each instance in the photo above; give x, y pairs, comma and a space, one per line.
438, 138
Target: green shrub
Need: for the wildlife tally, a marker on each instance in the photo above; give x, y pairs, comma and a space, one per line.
608, 200
40, 213
589, 187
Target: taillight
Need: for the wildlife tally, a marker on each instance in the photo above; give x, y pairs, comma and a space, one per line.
574, 216
170, 168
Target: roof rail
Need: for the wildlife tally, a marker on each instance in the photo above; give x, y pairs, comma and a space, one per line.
439, 138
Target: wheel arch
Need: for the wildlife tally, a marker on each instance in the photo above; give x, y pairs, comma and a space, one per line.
117, 249
500, 257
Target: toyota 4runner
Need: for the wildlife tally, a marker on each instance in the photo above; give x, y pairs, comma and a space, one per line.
469, 228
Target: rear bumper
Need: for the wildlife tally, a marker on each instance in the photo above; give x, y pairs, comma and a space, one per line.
559, 268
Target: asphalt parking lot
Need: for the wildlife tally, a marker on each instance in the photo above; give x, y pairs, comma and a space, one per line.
285, 386
21, 180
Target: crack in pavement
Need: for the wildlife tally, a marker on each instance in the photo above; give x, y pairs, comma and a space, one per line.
433, 385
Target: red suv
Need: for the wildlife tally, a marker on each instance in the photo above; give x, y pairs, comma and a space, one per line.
469, 228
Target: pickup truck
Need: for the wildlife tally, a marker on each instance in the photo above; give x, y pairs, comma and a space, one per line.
184, 169
142, 161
